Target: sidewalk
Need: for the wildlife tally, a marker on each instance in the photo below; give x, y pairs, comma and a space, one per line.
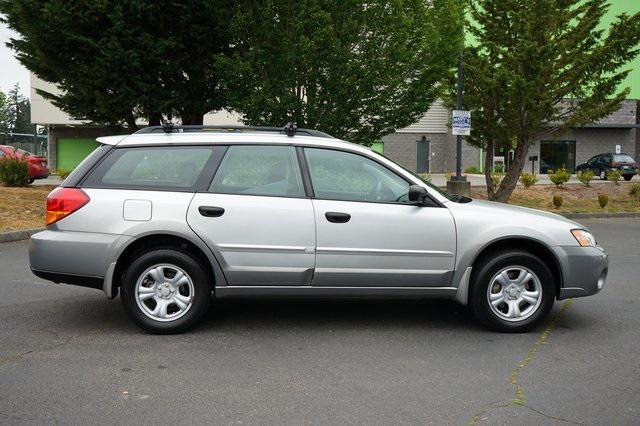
439, 179
51, 180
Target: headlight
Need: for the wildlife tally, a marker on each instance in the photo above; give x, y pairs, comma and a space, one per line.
585, 239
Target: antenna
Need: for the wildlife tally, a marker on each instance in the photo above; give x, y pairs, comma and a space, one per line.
290, 128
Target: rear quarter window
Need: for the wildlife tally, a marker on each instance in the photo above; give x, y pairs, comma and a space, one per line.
169, 168
621, 158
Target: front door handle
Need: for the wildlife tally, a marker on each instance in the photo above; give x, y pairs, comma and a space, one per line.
210, 211
336, 217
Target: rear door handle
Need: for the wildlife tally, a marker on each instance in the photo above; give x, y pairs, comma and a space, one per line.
210, 211
336, 217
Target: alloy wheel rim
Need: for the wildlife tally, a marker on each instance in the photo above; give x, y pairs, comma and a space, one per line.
514, 293
164, 292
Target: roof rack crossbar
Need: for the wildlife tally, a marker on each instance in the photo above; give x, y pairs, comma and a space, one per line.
290, 129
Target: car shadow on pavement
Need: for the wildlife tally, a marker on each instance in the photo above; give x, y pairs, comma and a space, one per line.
93, 315
337, 314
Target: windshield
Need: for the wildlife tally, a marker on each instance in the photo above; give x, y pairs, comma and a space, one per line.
451, 197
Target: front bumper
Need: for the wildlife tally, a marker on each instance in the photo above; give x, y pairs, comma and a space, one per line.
584, 270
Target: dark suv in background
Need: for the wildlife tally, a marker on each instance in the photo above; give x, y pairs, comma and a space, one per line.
602, 163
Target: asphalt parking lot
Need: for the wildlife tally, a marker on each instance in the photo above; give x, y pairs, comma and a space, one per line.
67, 355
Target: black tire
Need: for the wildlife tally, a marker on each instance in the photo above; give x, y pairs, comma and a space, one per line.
487, 269
195, 271
31, 180
628, 177
602, 174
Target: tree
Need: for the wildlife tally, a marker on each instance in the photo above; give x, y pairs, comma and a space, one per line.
119, 61
357, 70
539, 67
18, 112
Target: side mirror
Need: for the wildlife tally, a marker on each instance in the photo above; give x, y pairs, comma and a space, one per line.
417, 194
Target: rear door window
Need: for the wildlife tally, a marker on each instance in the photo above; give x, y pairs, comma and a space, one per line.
169, 168
259, 170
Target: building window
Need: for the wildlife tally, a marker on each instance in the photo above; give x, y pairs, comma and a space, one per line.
557, 154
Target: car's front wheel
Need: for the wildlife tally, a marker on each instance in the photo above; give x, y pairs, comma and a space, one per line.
603, 174
628, 177
165, 291
512, 291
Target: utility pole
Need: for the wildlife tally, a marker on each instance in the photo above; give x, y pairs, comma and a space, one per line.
458, 183
459, 176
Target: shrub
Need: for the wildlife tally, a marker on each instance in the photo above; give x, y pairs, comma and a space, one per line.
614, 176
603, 200
14, 172
447, 177
426, 177
585, 177
559, 177
528, 179
473, 170
635, 189
63, 173
496, 178
557, 201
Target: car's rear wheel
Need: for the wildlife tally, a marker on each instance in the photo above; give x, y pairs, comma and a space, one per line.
165, 291
628, 177
512, 291
603, 174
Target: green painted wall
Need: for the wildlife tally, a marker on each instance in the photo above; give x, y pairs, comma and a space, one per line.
71, 151
378, 147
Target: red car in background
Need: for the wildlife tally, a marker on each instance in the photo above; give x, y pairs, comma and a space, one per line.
38, 165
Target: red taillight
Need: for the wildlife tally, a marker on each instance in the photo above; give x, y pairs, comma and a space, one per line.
615, 164
61, 202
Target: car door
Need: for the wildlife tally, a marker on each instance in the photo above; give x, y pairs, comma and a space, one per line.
256, 217
367, 231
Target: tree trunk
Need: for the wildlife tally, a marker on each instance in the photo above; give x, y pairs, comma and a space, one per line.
155, 118
131, 123
513, 172
192, 118
488, 169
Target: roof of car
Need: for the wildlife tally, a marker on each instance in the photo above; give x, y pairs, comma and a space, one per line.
225, 137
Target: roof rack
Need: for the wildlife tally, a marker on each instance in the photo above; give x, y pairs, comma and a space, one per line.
290, 129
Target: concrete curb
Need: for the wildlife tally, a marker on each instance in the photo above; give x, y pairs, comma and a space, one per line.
24, 234
599, 215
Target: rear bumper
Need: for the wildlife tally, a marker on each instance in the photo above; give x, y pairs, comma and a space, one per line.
78, 258
585, 270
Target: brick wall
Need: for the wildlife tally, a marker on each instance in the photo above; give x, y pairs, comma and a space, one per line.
590, 142
402, 148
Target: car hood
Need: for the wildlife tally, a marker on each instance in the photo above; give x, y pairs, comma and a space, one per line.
502, 208
491, 220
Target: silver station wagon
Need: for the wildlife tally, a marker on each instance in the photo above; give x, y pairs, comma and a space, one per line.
172, 216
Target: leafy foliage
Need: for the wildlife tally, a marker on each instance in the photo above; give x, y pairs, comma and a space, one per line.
63, 173
539, 67
119, 61
356, 70
528, 179
473, 170
559, 177
603, 200
585, 176
14, 172
635, 189
557, 201
614, 176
